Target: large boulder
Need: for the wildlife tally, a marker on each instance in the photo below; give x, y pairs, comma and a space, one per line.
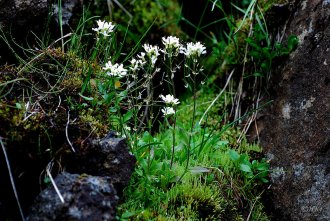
106, 157
296, 128
22, 20
23, 12
99, 172
79, 198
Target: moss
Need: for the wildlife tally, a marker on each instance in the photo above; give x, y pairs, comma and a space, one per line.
36, 98
96, 123
232, 54
200, 202
162, 15
268, 4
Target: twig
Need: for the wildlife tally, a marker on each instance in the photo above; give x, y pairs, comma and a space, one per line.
148, 101
59, 103
257, 130
27, 117
41, 54
12, 179
89, 135
239, 93
67, 133
60, 39
53, 182
124, 9
254, 203
250, 121
110, 7
224, 88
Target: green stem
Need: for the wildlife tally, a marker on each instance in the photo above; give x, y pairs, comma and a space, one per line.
192, 123
116, 102
170, 73
173, 141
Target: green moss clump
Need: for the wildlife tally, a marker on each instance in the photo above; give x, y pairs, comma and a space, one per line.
158, 18
36, 100
200, 202
268, 4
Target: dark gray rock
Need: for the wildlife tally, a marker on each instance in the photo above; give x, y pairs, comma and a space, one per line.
22, 16
85, 198
22, 12
67, 10
105, 166
108, 157
295, 130
22, 20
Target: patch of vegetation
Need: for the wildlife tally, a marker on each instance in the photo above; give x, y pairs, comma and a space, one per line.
138, 18
219, 182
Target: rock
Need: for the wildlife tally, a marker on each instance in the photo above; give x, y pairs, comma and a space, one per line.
22, 16
67, 11
22, 20
296, 128
105, 166
85, 198
22, 13
108, 157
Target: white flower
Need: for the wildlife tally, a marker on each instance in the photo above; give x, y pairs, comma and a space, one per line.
141, 56
115, 70
169, 99
104, 28
168, 111
172, 45
137, 64
171, 42
127, 128
152, 53
193, 49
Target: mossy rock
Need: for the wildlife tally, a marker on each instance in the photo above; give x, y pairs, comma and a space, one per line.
43, 117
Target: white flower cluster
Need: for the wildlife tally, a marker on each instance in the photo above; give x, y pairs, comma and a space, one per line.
172, 45
115, 70
152, 53
137, 64
193, 50
168, 111
169, 100
104, 28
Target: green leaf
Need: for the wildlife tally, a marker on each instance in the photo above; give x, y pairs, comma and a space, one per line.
127, 214
47, 180
233, 155
258, 74
249, 175
264, 66
86, 98
128, 116
196, 170
222, 143
183, 136
262, 166
252, 43
244, 159
292, 42
245, 168
112, 110
264, 180
18, 106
